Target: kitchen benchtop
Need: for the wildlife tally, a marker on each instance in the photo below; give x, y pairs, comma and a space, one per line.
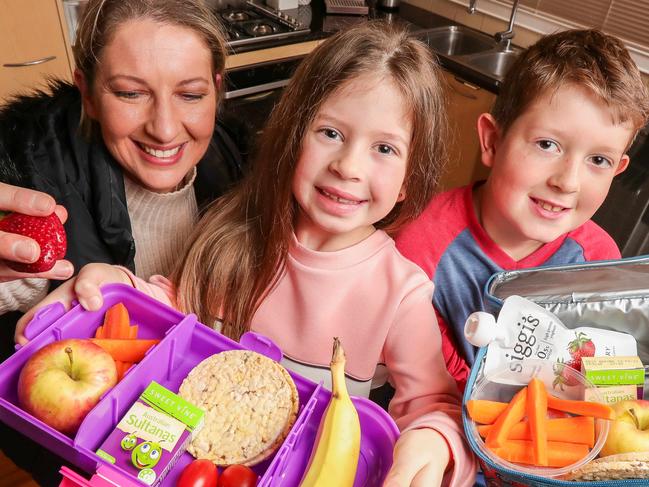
323, 25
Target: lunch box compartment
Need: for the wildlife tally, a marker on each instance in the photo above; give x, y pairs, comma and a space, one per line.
184, 343
612, 295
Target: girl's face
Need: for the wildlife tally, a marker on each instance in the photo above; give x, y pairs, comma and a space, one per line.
351, 169
154, 97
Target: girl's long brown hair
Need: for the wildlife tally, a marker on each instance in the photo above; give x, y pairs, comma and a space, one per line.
238, 250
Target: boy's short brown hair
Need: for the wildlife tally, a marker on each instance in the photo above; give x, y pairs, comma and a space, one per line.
587, 58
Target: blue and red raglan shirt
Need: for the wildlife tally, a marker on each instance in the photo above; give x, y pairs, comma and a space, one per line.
448, 242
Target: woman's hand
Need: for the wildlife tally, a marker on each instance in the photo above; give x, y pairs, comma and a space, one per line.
17, 248
84, 288
420, 459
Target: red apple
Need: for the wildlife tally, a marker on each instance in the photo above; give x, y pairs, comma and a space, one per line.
64, 380
629, 431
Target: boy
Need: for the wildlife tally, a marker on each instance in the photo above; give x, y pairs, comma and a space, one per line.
567, 113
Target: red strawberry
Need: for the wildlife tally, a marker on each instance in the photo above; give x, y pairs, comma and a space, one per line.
48, 232
581, 346
564, 375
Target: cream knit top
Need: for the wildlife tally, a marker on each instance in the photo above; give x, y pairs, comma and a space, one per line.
161, 224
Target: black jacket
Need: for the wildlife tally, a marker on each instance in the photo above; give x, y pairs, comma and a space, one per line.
41, 148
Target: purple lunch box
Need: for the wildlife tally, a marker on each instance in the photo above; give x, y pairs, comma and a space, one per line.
184, 343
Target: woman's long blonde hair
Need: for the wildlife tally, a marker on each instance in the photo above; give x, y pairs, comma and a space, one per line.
238, 250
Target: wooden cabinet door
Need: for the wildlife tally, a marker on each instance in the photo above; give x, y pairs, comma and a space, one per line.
32, 45
465, 103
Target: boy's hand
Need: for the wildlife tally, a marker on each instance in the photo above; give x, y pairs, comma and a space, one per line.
84, 288
17, 248
420, 459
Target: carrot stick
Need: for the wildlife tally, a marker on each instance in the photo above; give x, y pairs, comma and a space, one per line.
514, 413
537, 411
560, 453
132, 332
125, 367
483, 411
125, 350
575, 429
116, 322
122, 368
100, 332
118, 366
582, 408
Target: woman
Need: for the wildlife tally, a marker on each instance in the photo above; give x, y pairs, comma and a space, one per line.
134, 149
132, 152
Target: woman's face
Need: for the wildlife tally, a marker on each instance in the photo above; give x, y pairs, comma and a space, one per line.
154, 97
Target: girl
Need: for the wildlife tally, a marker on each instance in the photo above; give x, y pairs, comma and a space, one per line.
300, 251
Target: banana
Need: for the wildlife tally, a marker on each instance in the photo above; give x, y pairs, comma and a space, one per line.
335, 456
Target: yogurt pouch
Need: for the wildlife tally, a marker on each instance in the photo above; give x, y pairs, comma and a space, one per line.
524, 330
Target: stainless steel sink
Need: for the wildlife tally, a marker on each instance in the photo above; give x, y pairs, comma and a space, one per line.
455, 40
471, 48
494, 63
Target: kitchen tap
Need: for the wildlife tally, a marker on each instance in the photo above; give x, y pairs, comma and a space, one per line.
504, 38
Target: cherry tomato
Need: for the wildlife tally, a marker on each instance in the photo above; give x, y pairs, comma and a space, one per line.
199, 473
237, 476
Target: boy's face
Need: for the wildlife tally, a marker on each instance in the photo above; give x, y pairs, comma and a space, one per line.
552, 169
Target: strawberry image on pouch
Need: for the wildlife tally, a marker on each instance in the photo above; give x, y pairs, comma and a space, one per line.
563, 375
47, 231
581, 346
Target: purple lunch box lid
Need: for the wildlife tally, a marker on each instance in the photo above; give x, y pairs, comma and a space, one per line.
184, 343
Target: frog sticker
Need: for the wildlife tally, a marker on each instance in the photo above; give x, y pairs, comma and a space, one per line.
128, 442
146, 455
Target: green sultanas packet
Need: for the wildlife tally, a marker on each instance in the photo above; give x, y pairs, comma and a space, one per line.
152, 435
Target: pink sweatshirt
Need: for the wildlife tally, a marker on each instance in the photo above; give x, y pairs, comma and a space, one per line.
379, 304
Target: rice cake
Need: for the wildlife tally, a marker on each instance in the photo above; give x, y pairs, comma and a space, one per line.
250, 404
621, 466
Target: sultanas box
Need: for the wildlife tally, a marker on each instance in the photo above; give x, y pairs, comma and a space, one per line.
153, 434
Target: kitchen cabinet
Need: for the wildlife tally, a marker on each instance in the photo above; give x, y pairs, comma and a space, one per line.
466, 102
33, 45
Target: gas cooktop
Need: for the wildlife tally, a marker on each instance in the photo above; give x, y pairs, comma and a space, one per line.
256, 22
